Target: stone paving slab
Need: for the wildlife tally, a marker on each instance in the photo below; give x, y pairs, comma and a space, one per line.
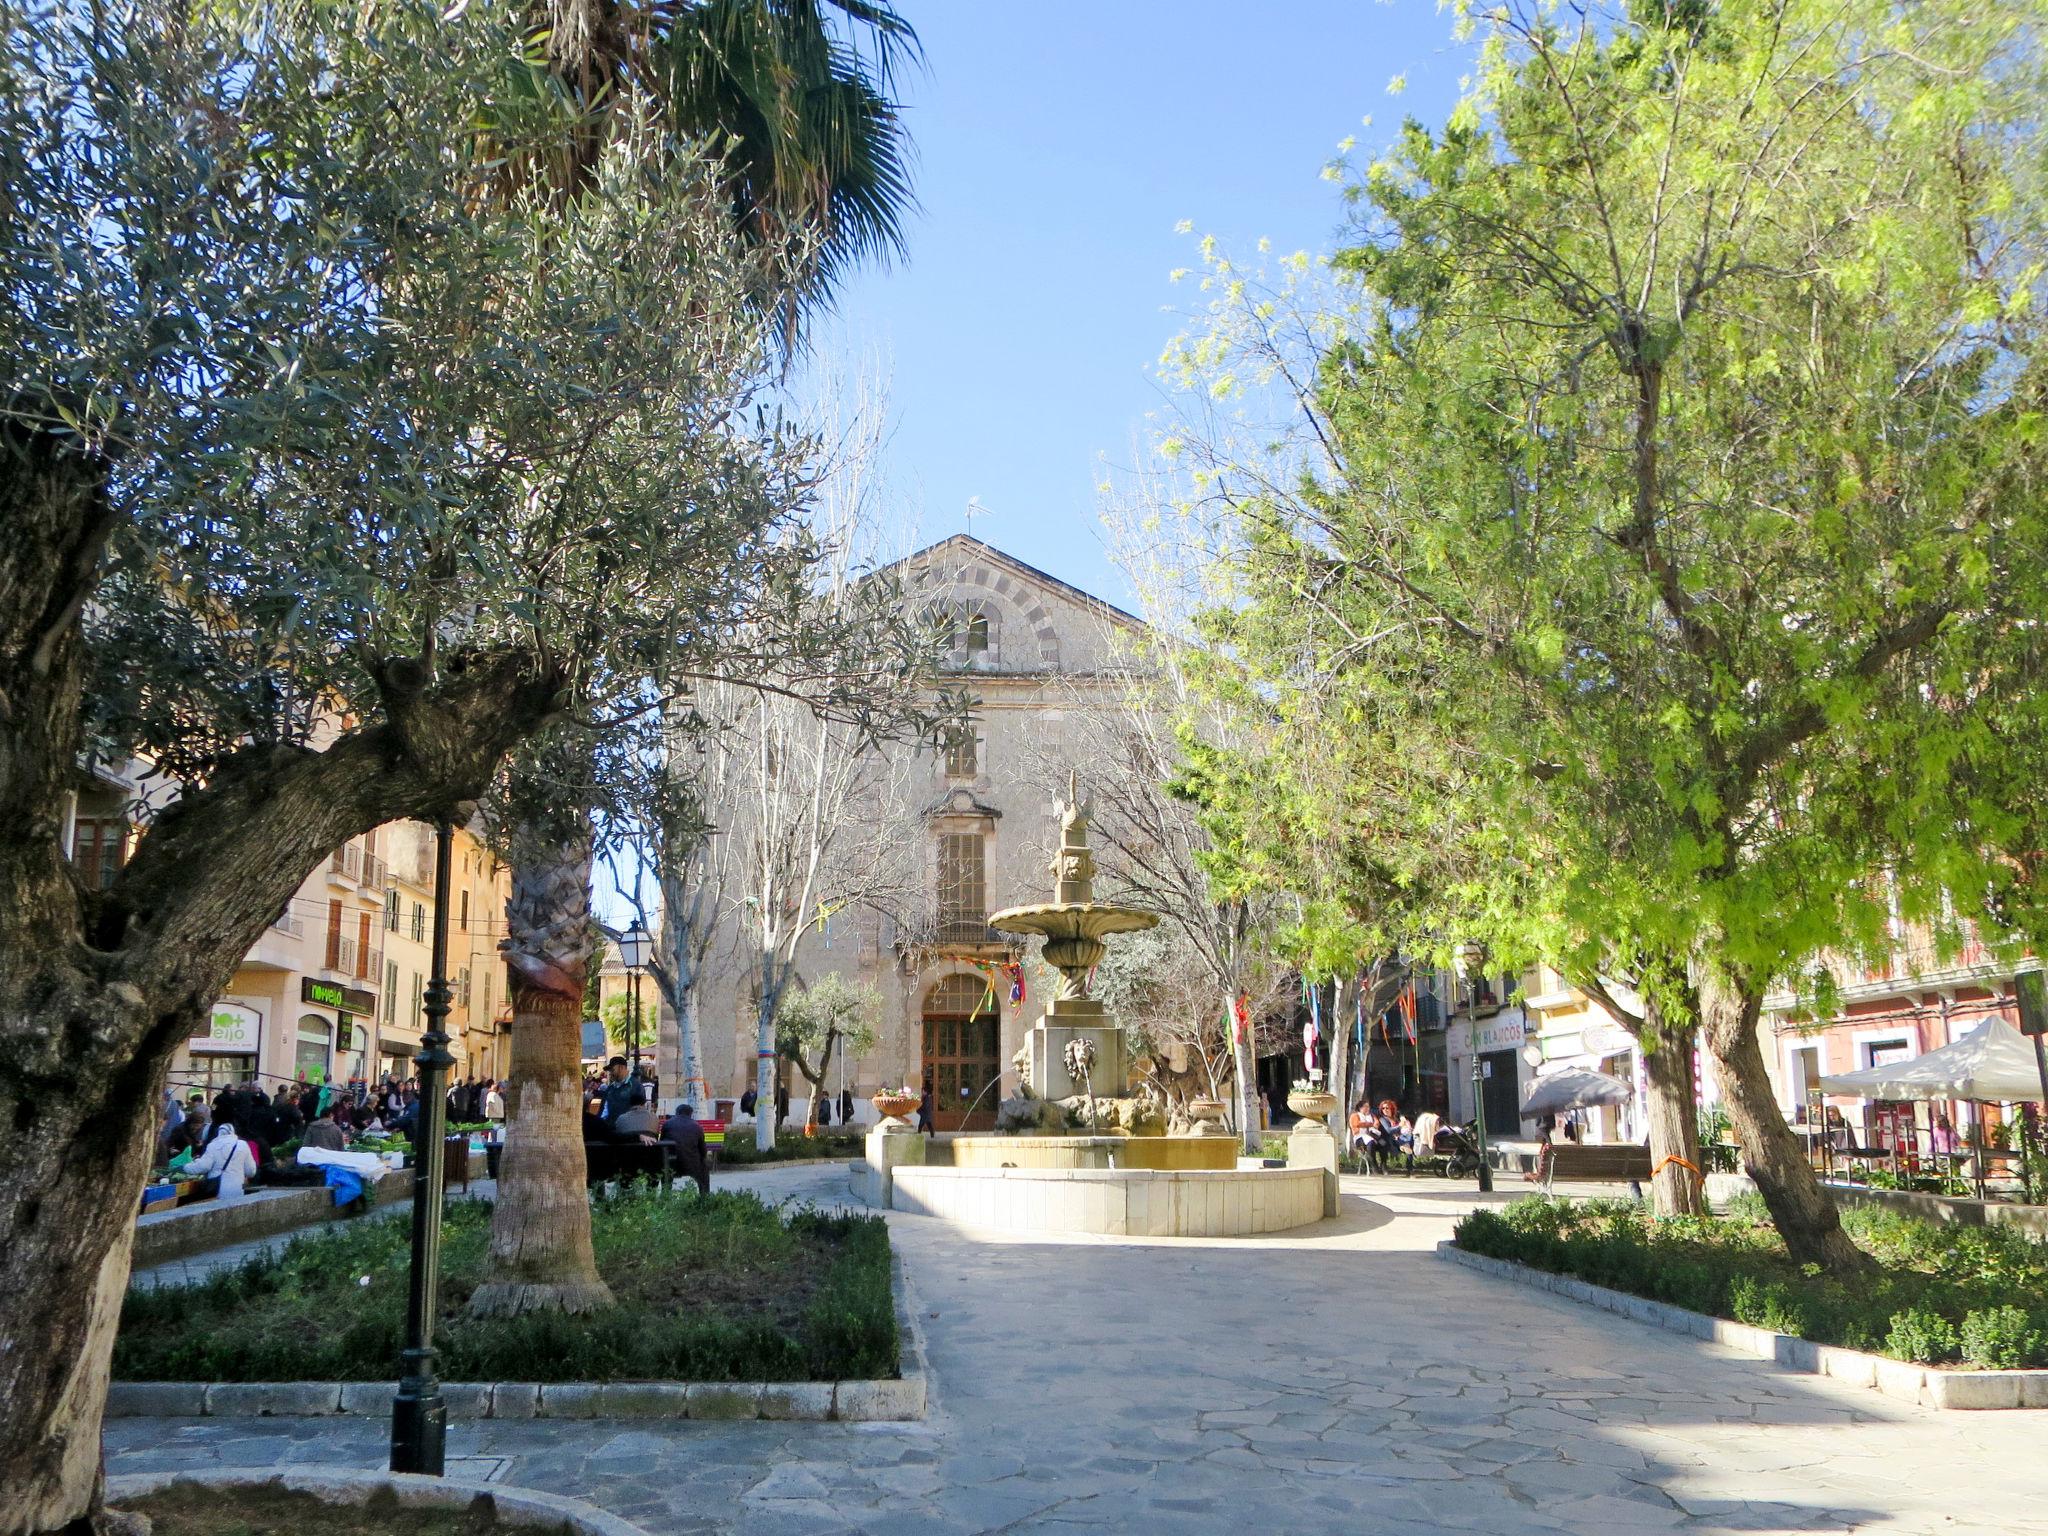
1339, 1378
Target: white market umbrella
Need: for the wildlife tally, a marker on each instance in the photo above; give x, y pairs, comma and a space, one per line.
1993, 1063
1574, 1088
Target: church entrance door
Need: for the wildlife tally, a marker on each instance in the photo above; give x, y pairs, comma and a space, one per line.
962, 1054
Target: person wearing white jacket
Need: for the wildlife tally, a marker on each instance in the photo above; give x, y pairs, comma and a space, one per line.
226, 1158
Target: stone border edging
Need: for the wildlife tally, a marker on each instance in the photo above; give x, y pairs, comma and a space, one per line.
873, 1400
346, 1486
1929, 1386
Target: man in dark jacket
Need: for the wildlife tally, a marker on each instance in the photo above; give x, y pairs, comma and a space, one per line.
619, 1088
686, 1139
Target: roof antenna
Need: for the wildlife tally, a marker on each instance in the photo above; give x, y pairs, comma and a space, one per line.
974, 509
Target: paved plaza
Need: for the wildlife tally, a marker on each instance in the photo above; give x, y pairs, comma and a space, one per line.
1337, 1379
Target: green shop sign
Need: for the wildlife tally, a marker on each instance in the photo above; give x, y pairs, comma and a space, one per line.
331, 994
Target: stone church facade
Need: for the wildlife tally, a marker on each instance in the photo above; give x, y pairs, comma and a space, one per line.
1036, 654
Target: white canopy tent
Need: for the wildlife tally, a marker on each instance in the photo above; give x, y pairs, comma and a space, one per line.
1994, 1063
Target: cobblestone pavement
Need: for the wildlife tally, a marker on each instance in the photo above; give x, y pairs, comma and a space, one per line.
1341, 1378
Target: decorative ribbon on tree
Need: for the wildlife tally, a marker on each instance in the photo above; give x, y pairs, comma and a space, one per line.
1241, 1019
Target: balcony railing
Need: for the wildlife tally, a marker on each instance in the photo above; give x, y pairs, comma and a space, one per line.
284, 922
348, 861
950, 930
376, 874
342, 956
373, 967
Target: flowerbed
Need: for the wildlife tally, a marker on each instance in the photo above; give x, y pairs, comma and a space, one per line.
724, 1289
739, 1148
1937, 1295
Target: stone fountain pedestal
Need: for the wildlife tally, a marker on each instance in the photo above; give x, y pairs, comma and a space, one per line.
1076, 1018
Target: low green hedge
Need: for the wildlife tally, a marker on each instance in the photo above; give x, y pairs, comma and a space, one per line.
718, 1289
739, 1148
1938, 1294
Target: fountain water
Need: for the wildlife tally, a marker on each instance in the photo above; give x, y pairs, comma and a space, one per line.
1168, 1186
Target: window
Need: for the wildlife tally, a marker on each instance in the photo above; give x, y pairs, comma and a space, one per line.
419, 990
419, 922
1805, 1078
316, 1035
462, 985
362, 965
333, 935
390, 991
391, 911
963, 892
463, 918
961, 756
977, 634
99, 847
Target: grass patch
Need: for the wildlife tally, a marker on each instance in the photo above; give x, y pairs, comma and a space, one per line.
739, 1147
271, 1510
724, 1289
1938, 1295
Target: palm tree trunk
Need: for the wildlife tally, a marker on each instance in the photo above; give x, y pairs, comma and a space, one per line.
1803, 1212
541, 1257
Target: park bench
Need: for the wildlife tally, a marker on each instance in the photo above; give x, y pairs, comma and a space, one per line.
1621, 1163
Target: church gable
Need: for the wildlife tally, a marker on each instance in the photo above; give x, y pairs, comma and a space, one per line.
1006, 616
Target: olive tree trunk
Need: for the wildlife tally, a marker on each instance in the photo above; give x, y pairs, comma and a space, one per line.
100, 987
1677, 1182
1804, 1213
541, 1258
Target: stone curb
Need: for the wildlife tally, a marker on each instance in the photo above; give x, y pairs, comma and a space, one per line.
345, 1487
1929, 1386
882, 1400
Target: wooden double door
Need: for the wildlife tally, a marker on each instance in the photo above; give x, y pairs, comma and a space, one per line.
963, 1044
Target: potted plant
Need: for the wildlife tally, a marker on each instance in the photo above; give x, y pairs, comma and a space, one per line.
1308, 1099
897, 1103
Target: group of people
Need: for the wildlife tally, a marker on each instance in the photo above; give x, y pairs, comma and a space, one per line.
618, 1112
1382, 1133
751, 1100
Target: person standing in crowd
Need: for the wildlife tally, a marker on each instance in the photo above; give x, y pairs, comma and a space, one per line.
494, 1103
619, 1087
686, 1137
747, 1101
846, 1106
189, 1135
781, 1104
227, 1160
325, 1134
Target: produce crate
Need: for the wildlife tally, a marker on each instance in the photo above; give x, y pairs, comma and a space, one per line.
159, 1197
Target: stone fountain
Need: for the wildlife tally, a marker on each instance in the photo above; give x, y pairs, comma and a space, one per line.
1074, 925
1159, 1186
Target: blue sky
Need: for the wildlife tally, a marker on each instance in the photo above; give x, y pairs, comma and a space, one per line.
1058, 145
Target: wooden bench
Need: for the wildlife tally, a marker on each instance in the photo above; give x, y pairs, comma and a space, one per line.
1617, 1164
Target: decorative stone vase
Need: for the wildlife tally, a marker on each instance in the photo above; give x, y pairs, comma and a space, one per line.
895, 1106
1207, 1118
1312, 1104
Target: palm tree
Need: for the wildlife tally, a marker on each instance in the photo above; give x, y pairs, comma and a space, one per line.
795, 97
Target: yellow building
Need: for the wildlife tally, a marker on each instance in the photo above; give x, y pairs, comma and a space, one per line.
335, 988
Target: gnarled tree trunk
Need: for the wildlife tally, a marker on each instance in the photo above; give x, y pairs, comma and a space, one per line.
100, 988
1677, 1182
541, 1258
1803, 1212
1246, 1066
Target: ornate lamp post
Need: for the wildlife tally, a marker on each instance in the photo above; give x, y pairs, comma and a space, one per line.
1471, 957
419, 1418
636, 944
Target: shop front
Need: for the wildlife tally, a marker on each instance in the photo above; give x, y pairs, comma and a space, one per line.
1498, 1042
228, 1050
325, 1045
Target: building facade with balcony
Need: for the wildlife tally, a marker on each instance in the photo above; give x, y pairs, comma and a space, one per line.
333, 989
1914, 999
1033, 651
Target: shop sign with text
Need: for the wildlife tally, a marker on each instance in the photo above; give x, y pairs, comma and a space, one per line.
231, 1028
332, 994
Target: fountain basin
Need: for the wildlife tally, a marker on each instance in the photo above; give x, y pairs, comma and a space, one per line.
1117, 1202
1154, 1152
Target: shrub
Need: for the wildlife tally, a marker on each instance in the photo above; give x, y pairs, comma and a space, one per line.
1998, 1338
1922, 1335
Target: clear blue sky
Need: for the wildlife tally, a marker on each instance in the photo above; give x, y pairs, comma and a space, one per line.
1058, 144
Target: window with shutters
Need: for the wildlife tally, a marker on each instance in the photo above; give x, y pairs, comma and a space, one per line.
961, 756
333, 935
963, 888
391, 990
391, 911
99, 847
463, 915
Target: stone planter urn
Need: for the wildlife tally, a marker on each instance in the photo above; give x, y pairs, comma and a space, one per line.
1206, 1116
1312, 1104
896, 1108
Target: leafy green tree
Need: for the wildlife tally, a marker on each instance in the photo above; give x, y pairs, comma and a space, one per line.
323, 476
830, 1016
1667, 487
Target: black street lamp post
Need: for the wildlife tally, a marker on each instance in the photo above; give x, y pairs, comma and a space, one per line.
419, 1417
1471, 958
635, 945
